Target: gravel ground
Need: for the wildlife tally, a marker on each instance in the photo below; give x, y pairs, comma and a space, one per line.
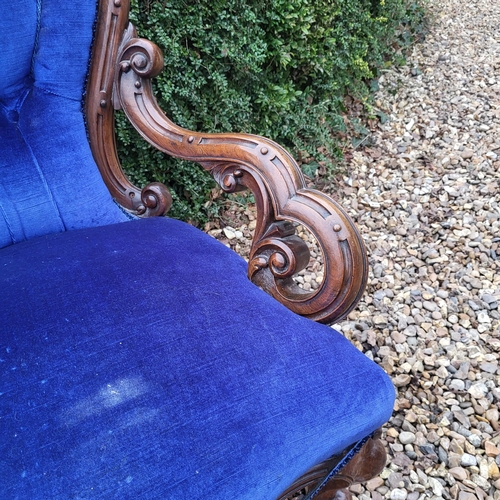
426, 197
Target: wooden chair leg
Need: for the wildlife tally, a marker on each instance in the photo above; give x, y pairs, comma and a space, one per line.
365, 465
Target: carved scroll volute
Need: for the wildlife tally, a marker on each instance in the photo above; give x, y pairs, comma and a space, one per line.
154, 199
277, 254
241, 161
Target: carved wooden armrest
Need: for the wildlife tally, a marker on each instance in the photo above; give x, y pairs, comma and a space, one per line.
122, 68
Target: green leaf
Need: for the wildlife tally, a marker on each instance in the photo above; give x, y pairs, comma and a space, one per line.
280, 68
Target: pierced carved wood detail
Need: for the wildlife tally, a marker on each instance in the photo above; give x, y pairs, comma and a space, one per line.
365, 465
100, 103
125, 66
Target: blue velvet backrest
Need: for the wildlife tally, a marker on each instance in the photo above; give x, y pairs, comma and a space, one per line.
48, 179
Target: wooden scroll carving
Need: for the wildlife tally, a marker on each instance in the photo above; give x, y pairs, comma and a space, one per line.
154, 199
121, 78
365, 465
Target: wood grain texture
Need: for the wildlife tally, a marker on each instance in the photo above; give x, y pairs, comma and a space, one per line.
365, 465
122, 69
100, 104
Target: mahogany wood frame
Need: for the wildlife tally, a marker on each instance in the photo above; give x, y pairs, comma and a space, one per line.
366, 464
120, 78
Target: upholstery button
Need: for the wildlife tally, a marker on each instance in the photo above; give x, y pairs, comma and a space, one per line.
13, 116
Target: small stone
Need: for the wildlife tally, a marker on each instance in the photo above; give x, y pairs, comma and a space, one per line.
476, 283
436, 486
380, 320
406, 437
410, 331
230, 233
397, 447
427, 449
429, 306
398, 494
385, 473
442, 455
458, 473
467, 153
444, 422
478, 390
488, 298
374, 483
401, 459
395, 479
489, 367
454, 460
483, 317
468, 460
407, 426
491, 450
475, 440
492, 415
398, 337
493, 470
392, 432
356, 489
480, 481
433, 436
483, 468
465, 495
456, 447
463, 371
401, 380
457, 385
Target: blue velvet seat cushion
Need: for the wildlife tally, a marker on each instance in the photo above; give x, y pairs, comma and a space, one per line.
137, 361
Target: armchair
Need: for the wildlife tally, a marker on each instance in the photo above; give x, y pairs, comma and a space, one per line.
137, 358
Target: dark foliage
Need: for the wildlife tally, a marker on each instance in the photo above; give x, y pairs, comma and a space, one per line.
278, 68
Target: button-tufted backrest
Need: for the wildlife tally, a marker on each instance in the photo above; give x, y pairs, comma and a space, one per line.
18, 28
48, 179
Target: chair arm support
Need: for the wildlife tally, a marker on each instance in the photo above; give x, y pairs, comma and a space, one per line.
122, 69
153, 199
240, 161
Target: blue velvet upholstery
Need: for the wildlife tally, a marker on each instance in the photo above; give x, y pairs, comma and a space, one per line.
136, 359
48, 179
18, 28
141, 363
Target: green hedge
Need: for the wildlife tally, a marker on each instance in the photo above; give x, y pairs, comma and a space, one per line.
278, 68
